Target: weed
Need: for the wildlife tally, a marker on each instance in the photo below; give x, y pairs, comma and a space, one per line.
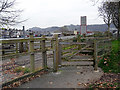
22, 69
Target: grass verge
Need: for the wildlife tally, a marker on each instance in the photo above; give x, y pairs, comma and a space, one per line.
110, 64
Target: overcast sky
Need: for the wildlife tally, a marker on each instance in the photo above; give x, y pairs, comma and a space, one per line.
47, 13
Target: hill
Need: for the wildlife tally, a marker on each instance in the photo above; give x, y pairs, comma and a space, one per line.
97, 27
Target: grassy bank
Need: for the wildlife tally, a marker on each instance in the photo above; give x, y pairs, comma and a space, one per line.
111, 63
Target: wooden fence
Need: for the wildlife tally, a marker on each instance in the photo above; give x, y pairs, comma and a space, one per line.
60, 47
18, 47
66, 49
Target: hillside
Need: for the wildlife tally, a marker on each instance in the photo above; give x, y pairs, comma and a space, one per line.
97, 27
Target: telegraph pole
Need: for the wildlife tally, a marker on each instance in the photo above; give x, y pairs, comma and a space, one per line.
23, 31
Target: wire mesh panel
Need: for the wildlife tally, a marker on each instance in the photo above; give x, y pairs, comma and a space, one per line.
37, 45
38, 61
0, 63
50, 59
75, 53
16, 57
104, 47
8, 48
15, 60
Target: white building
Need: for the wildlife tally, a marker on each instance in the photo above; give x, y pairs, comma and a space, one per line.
83, 26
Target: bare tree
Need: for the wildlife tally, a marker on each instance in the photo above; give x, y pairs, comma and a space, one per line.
115, 12
105, 13
8, 14
94, 1
116, 16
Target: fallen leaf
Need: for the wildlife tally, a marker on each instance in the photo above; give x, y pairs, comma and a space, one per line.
50, 82
79, 83
78, 72
78, 67
85, 84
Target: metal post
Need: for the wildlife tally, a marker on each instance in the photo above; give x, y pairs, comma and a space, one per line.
26, 43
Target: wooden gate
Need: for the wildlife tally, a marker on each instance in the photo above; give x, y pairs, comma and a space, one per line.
76, 52
80, 51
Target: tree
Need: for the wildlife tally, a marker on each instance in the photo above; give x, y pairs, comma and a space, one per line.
94, 1
114, 9
105, 13
8, 14
115, 12
115, 4
116, 16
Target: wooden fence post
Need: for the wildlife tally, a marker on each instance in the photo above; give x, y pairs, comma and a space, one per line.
55, 60
21, 47
110, 45
3, 50
51, 43
40, 45
44, 54
59, 53
95, 56
79, 40
104, 45
32, 61
26, 46
16, 47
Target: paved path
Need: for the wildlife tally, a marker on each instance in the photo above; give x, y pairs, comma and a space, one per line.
66, 77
